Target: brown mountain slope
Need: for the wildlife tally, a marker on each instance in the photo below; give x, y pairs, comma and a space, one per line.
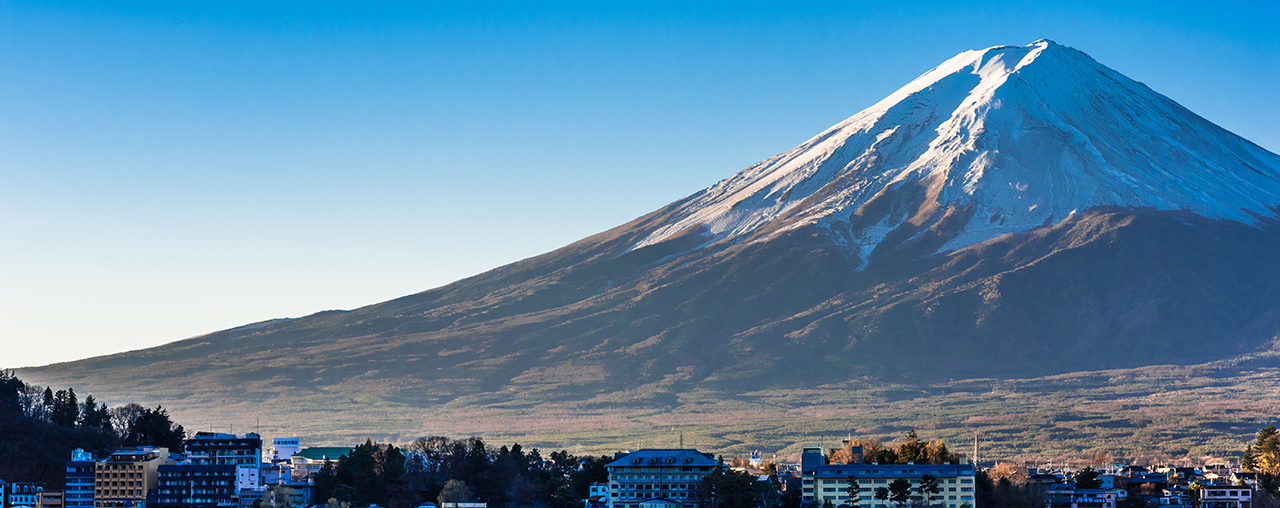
589, 323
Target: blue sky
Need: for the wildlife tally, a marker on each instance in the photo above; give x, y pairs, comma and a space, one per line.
168, 169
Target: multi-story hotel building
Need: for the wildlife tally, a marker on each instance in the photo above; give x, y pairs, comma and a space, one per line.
196, 486
80, 474
127, 477
821, 482
673, 476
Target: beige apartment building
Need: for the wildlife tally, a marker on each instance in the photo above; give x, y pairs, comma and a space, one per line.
127, 476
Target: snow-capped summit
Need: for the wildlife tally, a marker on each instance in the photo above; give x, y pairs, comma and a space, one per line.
1011, 137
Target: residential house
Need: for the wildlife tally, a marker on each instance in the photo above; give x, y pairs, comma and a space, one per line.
1226, 496
23, 495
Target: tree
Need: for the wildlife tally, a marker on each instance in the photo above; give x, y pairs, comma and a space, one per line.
153, 427
733, 489
278, 496
1101, 459
122, 417
562, 495
1087, 478
95, 416
1014, 473
66, 409
453, 491
11, 390
900, 491
324, 483
882, 494
853, 490
928, 488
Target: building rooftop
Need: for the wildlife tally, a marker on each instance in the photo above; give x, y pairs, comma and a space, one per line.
664, 457
324, 452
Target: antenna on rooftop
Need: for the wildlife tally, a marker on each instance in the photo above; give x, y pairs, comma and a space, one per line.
682, 440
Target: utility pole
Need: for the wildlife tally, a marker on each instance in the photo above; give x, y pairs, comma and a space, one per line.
975, 450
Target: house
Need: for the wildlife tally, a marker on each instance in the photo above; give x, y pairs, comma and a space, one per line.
307, 461
597, 495
668, 475
1066, 496
822, 482
1226, 496
23, 495
1243, 478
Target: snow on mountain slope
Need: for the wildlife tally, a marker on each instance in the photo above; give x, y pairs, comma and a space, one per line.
1016, 137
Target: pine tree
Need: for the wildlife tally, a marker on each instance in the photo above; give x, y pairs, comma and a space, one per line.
854, 490
900, 491
928, 488
1088, 479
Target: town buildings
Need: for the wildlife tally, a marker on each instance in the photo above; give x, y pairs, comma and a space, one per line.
127, 477
1068, 496
822, 482
23, 494
1226, 496
79, 487
670, 475
196, 486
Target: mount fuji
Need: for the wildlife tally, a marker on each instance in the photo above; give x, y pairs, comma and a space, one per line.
1017, 211
991, 142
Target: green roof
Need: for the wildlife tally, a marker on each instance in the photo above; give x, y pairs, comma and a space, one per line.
324, 452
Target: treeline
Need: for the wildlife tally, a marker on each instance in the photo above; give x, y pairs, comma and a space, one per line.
39, 427
439, 469
910, 450
1262, 456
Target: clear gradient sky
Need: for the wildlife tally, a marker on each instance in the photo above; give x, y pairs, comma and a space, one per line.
169, 169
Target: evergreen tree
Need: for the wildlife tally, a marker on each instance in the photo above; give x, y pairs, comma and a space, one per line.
882, 494
1087, 478
11, 389
900, 491
66, 409
154, 428
853, 490
48, 400
94, 415
928, 488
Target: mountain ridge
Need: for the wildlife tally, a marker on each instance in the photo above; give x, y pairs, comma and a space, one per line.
879, 258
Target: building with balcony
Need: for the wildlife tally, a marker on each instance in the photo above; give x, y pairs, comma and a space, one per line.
216, 448
1226, 496
127, 477
1065, 496
821, 482
196, 486
671, 476
23, 495
79, 489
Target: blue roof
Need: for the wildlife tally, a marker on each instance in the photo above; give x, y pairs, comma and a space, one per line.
667, 457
